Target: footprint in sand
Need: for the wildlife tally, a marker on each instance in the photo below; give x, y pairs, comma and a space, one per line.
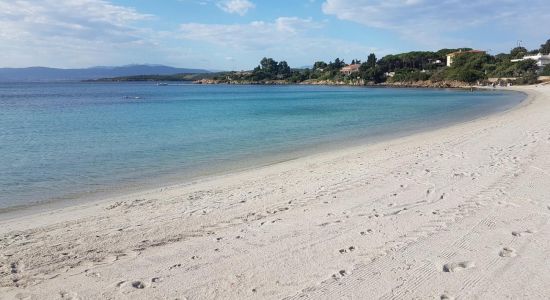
69, 295
120, 284
340, 274
14, 268
138, 284
454, 267
522, 233
350, 249
446, 297
156, 279
365, 232
507, 252
23, 296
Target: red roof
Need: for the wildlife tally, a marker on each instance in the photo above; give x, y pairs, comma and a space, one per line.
354, 67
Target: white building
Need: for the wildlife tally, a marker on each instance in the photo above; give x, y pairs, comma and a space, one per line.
541, 59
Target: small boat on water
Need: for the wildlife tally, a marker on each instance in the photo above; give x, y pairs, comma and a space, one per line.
162, 84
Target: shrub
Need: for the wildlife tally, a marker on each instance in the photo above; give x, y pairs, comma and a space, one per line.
408, 75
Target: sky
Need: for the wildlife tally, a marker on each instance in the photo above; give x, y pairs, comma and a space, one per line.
237, 34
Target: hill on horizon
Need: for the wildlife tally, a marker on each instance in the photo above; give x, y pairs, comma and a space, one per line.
57, 74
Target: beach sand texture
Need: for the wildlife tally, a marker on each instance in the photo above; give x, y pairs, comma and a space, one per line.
461, 212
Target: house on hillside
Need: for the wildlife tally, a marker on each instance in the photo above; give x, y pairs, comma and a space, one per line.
451, 56
436, 62
348, 70
541, 59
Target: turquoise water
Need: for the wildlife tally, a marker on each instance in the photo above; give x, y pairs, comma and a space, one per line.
69, 140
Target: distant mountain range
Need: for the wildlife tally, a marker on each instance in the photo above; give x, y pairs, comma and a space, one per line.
53, 74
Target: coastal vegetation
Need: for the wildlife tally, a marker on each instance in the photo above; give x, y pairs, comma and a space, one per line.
445, 67
468, 66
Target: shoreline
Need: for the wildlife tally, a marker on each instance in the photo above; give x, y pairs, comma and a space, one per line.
398, 84
361, 83
234, 167
389, 215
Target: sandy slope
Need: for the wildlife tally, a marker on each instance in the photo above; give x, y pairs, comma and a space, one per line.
462, 212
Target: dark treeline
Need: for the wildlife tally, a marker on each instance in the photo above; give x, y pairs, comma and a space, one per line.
468, 66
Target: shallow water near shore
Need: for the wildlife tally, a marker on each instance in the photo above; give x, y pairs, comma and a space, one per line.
66, 141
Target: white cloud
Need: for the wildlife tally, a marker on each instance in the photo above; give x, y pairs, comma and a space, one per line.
79, 19
254, 35
69, 32
240, 7
431, 20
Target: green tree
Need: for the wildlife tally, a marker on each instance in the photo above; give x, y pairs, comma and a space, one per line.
518, 52
268, 65
546, 71
390, 63
371, 73
526, 66
337, 64
506, 68
468, 67
442, 53
467, 75
283, 70
270, 69
502, 57
409, 75
545, 48
471, 60
319, 65
371, 60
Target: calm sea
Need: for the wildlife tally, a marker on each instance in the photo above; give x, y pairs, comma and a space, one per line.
73, 140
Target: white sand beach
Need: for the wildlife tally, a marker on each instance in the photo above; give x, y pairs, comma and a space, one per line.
460, 212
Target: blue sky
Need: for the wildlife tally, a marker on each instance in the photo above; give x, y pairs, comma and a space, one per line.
236, 34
